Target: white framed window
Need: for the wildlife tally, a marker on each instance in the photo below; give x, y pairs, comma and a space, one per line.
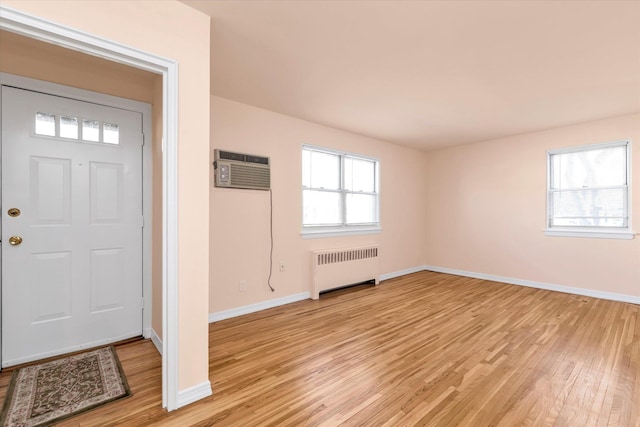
340, 193
588, 191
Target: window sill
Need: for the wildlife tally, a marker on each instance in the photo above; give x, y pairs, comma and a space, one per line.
609, 234
338, 232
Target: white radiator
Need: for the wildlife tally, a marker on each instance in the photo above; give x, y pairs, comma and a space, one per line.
341, 267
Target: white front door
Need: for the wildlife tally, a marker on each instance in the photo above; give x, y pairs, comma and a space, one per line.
71, 225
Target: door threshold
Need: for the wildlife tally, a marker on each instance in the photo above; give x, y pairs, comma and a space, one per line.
60, 356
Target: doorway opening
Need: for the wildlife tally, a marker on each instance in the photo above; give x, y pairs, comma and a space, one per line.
72, 40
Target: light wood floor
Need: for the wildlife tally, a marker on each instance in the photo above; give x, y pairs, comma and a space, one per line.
425, 349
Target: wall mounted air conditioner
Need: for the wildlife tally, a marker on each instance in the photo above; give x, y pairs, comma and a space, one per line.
237, 170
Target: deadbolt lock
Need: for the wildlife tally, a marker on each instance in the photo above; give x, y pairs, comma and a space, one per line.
13, 212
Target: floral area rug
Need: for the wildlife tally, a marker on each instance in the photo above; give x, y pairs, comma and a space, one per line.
42, 394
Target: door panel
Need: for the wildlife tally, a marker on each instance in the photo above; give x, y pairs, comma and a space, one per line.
50, 190
74, 169
107, 192
106, 279
50, 290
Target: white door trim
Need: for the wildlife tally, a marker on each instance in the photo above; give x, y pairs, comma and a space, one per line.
61, 35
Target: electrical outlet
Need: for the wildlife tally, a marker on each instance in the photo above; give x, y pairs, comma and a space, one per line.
282, 267
242, 285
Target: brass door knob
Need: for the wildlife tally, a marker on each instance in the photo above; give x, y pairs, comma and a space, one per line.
15, 240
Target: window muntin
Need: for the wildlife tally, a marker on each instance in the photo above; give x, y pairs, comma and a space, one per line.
339, 190
588, 188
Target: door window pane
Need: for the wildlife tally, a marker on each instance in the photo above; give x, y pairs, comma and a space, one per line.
45, 124
69, 127
110, 133
91, 130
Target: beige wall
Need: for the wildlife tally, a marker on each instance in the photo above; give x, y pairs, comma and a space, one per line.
478, 208
486, 212
44, 61
143, 25
240, 218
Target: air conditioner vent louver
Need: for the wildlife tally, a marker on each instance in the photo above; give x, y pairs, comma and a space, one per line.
247, 158
249, 176
237, 170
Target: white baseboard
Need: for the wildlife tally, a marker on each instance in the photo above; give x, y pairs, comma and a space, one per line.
252, 308
531, 284
155, 339
399, 273
192, 394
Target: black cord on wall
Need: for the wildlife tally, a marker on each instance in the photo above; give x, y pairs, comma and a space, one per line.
271, 233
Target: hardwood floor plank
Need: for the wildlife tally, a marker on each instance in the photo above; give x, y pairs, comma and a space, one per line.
424, 349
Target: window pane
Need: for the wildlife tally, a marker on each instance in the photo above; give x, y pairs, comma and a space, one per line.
359, 175
91, 130
110, 133
325, 170
45, 124
361, 208
306, 168
321, 208
592, 168
69, 127
589, 208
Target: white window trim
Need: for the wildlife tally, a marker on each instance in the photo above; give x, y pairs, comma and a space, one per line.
327, 231
319, 231
609, 234
624, 233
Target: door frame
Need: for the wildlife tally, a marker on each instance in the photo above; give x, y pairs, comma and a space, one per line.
55, 89
50, 32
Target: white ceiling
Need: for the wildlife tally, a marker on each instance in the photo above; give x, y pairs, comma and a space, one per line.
429, 74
